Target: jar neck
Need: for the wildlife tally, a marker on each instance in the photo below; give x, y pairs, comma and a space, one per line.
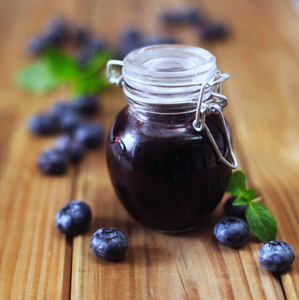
168, 120
169, 102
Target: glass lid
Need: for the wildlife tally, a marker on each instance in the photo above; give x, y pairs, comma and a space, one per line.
168, 65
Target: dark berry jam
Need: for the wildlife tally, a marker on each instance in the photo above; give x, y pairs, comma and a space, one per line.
167, 175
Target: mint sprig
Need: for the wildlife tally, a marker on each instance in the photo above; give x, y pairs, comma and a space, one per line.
38, 78
260, 221
56, 68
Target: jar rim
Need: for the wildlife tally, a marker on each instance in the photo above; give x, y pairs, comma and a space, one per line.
168, 66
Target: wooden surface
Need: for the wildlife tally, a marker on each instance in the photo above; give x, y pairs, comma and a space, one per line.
38, 262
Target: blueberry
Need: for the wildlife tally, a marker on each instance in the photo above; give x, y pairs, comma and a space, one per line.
57, 31
234, 211
73, 217
231, 231
37, 44
81, 36
69, 122
63, 107
90, 49
130, 40
186, 15
193, 16
276, 256
91, 135
86, 104
55, 34
211, 32
72, 148
126, 47
109, 243
52, 162
44, 124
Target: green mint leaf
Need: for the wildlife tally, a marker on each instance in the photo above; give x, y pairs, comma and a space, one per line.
261, 222
38, 78
93, 79
97, 62
249, 194
236, 185
91, 84
240, 200
62, 65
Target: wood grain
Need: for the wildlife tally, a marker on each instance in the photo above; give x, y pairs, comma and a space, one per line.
38, 262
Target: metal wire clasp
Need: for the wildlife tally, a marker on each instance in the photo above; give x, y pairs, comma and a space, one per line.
214, 103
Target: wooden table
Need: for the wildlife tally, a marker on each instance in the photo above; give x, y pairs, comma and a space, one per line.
37, 261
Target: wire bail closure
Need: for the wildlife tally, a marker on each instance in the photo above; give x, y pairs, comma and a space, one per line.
215, 103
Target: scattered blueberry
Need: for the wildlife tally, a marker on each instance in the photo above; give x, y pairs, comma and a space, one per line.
70, 147
186, 15
68, 111
131, 35
81, 36
69, 122
73, 217
91, 135
57, 31
130, 40
86, 104
63, 107
96, 45
231, 231
89, 50
109, 243
126, 48
212, 31
276, 256
193, 16
37, 44
234, 211
44, 124
52, 162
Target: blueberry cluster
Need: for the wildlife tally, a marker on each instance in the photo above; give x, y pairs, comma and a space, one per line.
185, 15
78, 133
58, 33
133, 38
108, 243
54, 35
233, 231
207, 30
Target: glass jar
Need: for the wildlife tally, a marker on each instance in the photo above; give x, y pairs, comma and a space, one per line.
168, 152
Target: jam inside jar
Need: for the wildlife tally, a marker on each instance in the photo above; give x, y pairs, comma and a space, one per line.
168, 171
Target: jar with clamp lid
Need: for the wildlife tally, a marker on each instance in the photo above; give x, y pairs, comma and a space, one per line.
169, 153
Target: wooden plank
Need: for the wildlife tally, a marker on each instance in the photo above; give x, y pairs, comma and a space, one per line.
29, 241
34, 258
270, 160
